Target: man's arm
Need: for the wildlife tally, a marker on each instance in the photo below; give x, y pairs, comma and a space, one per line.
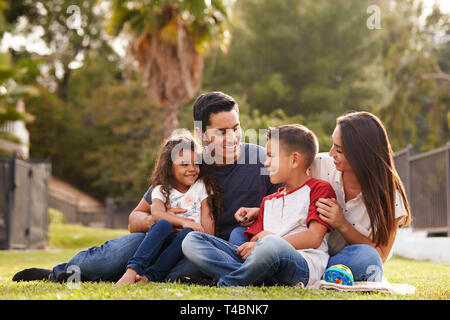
140, 219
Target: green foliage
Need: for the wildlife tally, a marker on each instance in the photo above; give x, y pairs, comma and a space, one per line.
56, 217
206, 23
318, 59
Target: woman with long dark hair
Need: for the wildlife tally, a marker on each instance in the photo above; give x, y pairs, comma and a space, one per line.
371, 201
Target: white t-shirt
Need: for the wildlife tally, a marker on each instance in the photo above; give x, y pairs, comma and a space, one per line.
354, 210
191, 200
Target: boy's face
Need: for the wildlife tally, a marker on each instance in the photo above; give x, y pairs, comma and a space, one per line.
223, 136
278, 162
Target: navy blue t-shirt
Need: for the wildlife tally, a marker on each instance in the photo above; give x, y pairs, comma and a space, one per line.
244, 183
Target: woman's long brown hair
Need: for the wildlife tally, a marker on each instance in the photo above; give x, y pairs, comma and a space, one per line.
366, 146
163, 172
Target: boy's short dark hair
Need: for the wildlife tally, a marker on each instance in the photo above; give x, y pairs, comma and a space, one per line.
296, 137
211, 103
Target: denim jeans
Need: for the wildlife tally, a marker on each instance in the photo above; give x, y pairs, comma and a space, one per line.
158, 252
237, 236
271, 257
109, 261
363, 260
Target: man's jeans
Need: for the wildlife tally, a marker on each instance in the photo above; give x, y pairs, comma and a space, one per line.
271, 257
108, 262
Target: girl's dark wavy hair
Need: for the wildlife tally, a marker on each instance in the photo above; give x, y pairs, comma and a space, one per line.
163, 173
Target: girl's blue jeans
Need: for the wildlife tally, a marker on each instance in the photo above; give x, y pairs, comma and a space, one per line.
271, 257
159, 252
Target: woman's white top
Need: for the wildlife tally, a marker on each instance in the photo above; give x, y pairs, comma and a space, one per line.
354, 210
191, 200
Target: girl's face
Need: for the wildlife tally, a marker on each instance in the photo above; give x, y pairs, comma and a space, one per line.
185, 171
337, 152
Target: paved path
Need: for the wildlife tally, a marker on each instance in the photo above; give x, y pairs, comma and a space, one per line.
416, 245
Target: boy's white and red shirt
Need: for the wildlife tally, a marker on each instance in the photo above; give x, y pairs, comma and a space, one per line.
286, 213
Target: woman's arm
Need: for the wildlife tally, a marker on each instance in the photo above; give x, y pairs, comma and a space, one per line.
331, 213
207, 219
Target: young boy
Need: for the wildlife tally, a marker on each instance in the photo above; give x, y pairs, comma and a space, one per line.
289, 240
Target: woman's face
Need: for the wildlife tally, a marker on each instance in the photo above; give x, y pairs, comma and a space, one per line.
337, 152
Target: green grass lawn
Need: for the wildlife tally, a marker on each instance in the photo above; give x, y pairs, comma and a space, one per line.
432, 280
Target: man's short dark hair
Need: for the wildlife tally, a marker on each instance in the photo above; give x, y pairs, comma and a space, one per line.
211, 103
296, 137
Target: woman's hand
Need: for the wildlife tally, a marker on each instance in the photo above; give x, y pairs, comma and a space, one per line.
331, 212
246, 216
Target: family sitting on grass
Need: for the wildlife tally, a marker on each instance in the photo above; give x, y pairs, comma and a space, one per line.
236, 214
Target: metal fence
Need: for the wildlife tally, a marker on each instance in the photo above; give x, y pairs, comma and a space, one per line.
426, 177
118, 211
76, 214
23, 203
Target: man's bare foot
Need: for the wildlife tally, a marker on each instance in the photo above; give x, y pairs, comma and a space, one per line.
129, 277
141, 279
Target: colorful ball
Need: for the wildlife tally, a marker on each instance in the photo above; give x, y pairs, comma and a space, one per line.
339, 274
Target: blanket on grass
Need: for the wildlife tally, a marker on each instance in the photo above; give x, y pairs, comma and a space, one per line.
363, 286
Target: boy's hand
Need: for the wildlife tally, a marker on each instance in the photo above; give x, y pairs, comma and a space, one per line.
246, 216
245, 249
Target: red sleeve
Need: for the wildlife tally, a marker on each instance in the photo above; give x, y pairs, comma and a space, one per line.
319, 189
258, 225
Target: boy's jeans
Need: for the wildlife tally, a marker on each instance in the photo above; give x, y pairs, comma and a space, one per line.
271, 257
363, 260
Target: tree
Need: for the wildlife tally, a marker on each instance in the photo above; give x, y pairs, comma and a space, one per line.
168, 40
70, 29
11, 87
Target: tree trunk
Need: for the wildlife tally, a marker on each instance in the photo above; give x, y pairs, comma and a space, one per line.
170, 118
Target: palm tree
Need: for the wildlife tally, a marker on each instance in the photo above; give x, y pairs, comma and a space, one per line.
168, 40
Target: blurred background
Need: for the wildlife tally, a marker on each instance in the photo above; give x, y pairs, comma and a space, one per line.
88, 89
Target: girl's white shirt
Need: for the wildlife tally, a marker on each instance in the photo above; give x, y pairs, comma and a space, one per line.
191, 200
354, 210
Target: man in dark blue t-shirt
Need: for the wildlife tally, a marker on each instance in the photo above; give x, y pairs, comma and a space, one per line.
241, 174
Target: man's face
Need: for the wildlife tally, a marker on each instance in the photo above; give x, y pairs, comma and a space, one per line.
223, 136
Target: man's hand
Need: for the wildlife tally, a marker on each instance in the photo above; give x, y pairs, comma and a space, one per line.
246, 216
245, 249
189, 223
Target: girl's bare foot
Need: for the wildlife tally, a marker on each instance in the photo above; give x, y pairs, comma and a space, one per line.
129, 277
141, 279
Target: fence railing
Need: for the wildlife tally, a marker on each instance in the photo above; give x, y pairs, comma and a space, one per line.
426, 177
76, 214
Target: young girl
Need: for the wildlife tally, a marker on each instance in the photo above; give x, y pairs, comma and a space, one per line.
178, 181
